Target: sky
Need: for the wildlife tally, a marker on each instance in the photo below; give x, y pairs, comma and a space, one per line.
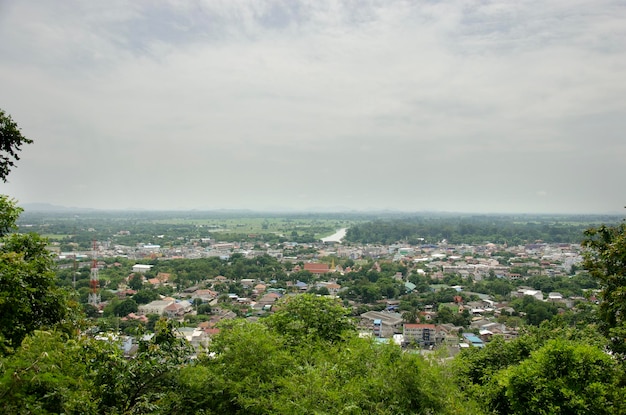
457, 106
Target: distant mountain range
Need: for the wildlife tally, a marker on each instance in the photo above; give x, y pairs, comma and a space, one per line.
51, 208
47, 207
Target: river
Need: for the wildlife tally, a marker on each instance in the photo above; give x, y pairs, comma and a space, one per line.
337, 236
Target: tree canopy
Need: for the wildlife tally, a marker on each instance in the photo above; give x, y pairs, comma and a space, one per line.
605, 259
11, 141
311, 317
29, 297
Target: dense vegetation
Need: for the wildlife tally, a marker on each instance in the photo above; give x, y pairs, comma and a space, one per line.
476, 229
295, 363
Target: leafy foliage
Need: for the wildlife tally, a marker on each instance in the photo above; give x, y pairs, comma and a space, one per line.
243, 375
534, 311
564, 377
11, 141
520, 376
29, 297
256, 370
606, 261
9, 213
48, 374
472, 229
309, 317
143, 383
52, 374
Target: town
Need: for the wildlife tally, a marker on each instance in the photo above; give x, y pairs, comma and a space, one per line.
424, 296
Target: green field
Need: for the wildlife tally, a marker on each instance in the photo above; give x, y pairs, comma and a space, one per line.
176, 228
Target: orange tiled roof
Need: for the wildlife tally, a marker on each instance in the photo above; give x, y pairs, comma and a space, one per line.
316, 268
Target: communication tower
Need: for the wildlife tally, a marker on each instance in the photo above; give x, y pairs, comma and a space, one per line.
74, 272
94, 283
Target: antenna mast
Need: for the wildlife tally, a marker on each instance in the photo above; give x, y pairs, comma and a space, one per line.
94, 283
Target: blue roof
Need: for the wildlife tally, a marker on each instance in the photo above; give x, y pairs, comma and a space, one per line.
472, 338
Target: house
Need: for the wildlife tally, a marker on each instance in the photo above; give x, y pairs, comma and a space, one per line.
427, 315
219, 314
155, 282
142, 268
164, 277
537, 294
555, 297
177, 309
390, 323
423, 334
473, 340
522, 291
223, 246
155, 307
197, 337
133, 316
260, 288
485, 335
266, 302
450, 334
205, 295
479, 322
333, 288
121, 294
247, 282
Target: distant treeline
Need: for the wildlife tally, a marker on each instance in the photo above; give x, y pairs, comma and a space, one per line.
512, 230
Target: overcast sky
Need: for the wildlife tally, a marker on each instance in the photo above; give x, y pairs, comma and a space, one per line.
456, 105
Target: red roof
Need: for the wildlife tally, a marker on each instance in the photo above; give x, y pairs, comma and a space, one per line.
316, 268
164, 276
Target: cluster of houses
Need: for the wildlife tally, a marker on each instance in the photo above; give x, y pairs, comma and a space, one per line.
389, 325
437, 261
477, 261
386, 325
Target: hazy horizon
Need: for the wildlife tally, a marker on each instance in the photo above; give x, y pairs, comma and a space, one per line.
37, 207
458, 106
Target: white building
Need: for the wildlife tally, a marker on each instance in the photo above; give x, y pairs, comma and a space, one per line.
142, 268
155, 307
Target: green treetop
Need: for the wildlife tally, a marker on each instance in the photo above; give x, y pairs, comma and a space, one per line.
29, 297
11, 141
